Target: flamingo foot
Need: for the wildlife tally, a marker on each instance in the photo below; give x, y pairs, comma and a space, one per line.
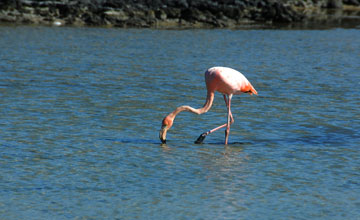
201, 138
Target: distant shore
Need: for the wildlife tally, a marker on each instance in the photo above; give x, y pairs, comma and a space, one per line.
173, 14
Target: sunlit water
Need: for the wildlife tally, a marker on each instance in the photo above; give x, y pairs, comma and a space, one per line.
80, 111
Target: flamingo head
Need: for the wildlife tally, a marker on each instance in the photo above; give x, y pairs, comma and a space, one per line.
167, 122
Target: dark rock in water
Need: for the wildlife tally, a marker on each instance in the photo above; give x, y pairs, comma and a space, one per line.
179, 13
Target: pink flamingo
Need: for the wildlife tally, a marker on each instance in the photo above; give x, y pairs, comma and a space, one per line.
225, 80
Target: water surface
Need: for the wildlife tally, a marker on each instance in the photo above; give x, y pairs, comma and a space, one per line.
80, 111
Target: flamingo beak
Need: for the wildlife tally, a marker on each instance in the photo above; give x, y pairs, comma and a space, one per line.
162, 134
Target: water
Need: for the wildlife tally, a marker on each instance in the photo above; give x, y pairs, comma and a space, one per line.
80, 111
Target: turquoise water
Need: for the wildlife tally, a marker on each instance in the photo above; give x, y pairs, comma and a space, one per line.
80, 111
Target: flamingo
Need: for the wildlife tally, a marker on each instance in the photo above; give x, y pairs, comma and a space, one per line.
225, 80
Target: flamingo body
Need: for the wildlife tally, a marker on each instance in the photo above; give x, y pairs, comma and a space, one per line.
225, 80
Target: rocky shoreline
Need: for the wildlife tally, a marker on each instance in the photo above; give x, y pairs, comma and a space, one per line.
182, 13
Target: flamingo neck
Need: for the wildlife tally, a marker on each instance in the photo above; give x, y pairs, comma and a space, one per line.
204, 109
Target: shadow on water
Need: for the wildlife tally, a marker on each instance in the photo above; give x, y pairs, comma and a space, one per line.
157, 142
171, 142
306, 140
232, 144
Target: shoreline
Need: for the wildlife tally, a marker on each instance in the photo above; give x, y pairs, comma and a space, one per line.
238, 14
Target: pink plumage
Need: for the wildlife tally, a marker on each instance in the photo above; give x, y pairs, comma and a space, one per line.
225, 80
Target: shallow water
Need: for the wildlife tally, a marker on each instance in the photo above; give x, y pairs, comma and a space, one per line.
80, 111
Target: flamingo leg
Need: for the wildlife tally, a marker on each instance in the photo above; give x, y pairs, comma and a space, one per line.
202, 137
227, 131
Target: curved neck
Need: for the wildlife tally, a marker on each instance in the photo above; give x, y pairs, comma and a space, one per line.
205, 108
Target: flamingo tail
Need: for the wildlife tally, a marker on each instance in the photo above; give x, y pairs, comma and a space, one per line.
252, 90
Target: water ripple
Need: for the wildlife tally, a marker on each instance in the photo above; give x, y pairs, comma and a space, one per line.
81, 109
